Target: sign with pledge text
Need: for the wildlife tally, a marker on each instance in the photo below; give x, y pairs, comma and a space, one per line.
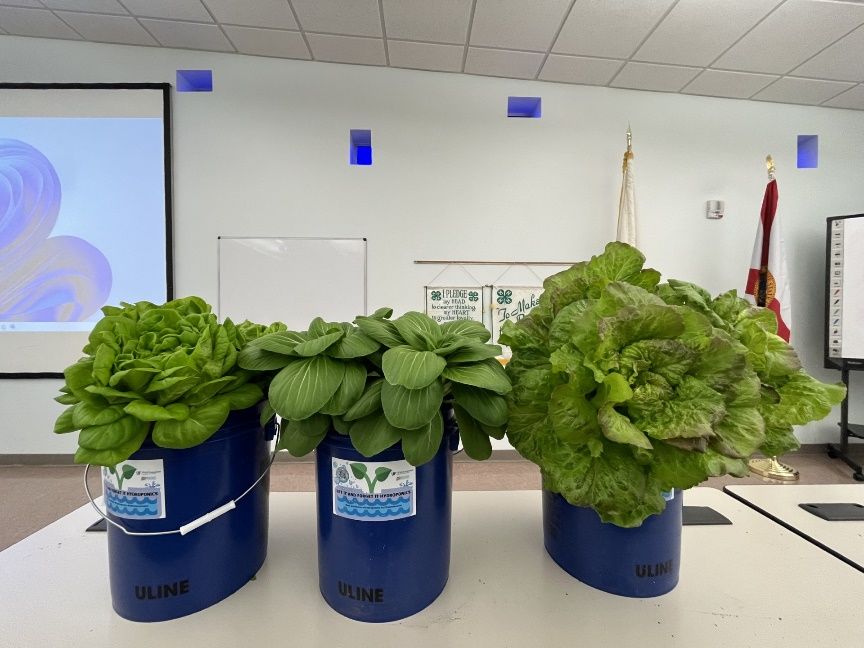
451, 303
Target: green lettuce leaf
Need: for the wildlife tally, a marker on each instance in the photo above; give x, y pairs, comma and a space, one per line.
623, 388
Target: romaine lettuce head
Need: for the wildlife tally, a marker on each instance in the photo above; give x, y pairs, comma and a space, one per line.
623, 389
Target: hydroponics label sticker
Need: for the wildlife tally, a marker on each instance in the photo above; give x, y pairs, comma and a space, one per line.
135, 489
371, 491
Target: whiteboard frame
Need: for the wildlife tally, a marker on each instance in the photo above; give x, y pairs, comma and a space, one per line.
293, 238
832, 362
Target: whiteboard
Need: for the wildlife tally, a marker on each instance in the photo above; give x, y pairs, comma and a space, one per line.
844, 327
291, 280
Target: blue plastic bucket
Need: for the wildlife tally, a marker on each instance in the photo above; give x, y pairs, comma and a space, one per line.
383, 537
639, 562
160, 577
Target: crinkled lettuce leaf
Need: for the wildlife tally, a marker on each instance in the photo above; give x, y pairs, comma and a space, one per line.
624, 388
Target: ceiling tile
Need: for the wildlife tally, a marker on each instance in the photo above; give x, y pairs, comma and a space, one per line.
443, 21
268, 42
696, 32
790, 35
647, 76
93, 6
579, 69
108, 29
736, 85
171, 9
517, 24
274, 14
853, 98
610, 28
347, 49
355, 17
840, 62
186, 35
802, 91
503, 63
40, 23
425, 56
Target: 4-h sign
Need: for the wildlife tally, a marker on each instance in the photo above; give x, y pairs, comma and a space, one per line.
448, 304
512, 303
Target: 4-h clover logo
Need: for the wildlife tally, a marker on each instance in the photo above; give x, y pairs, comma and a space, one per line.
505, 296
473, 296
436, 295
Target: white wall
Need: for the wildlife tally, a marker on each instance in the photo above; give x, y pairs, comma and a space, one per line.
266, 155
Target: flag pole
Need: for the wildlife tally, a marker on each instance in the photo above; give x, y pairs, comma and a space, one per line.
770, 467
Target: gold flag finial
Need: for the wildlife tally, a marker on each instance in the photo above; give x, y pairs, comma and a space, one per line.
769, 165
628, 154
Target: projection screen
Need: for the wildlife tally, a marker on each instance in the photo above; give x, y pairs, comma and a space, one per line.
85, 214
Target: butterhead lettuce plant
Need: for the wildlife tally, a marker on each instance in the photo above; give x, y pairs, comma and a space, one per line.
167, 370
624, 388
383, 382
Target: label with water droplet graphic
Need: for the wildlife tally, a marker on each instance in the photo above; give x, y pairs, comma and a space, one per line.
370, 491
135, 489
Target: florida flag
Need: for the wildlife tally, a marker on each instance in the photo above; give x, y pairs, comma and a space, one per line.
769, 257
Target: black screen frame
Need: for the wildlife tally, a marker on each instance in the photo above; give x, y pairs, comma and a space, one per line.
169, 176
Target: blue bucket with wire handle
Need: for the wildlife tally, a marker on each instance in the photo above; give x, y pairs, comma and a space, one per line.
383, 527
187, 528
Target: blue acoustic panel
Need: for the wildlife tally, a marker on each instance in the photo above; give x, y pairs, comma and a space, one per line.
524, 107
808, 151
194, 80
361, 147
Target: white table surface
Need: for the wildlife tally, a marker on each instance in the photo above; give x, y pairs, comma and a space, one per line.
753, 583
846, 538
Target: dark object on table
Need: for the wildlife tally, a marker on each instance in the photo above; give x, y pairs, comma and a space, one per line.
699, 515
836, 511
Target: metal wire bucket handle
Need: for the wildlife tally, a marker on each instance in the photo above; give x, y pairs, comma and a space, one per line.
197, 522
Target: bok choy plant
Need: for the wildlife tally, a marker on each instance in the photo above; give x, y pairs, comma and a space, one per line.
382, 382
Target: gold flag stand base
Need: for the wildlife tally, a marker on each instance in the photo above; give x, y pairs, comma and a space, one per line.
770, 468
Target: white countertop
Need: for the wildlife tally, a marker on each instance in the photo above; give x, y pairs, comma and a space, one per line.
752, 583
843, 537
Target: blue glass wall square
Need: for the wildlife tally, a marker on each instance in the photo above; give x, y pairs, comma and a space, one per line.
194, 80
361, 147
523, 107
808, 151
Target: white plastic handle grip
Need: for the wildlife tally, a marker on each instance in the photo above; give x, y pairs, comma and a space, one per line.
207, 517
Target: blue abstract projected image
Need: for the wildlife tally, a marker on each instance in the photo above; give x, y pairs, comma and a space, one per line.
82, 218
